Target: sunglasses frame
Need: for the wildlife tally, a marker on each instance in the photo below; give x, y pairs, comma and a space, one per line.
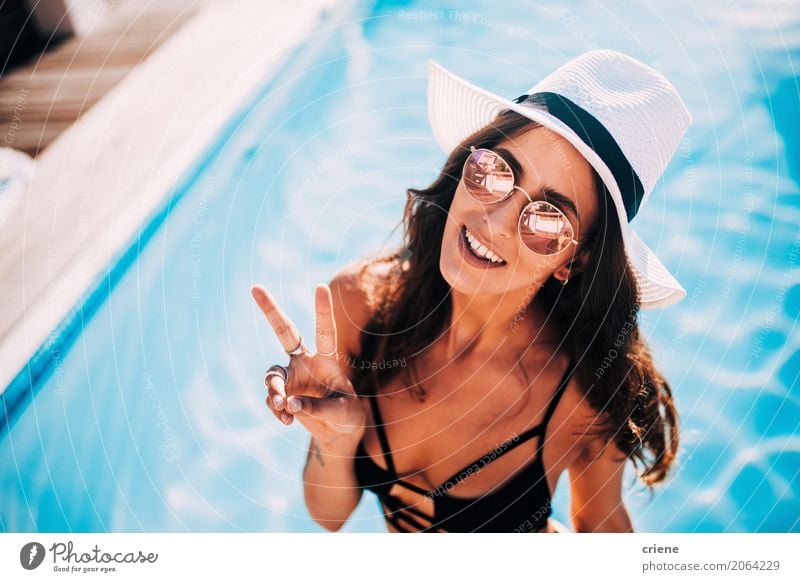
531, 201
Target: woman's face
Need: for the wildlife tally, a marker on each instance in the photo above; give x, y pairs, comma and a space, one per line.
547, 161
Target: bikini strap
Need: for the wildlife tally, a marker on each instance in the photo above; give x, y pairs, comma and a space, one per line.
554, 400
506, 446
387, 452
512, 443
539, 429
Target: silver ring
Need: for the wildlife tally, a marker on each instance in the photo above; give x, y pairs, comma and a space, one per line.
335, 350
300, 349
277, 370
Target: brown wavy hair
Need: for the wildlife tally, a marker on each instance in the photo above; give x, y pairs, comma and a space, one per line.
595, 314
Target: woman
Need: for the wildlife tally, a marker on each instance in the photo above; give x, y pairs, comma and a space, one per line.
458, 377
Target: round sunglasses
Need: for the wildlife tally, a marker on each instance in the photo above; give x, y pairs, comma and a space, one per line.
542, 227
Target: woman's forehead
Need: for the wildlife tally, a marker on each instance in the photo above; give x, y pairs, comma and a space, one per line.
547, 160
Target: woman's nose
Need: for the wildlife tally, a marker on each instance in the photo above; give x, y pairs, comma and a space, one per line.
502, 217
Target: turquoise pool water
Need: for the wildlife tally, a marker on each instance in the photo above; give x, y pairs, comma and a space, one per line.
148, 413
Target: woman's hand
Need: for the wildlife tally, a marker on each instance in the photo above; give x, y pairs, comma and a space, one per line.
318, 392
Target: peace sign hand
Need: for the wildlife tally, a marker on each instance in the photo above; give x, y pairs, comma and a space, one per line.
318, 391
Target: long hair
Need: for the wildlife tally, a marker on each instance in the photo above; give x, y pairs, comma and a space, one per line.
595, 314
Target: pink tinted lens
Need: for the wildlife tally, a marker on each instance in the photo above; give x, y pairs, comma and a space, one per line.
486, 176
544, 228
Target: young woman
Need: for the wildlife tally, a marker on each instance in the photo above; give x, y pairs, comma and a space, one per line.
460, 376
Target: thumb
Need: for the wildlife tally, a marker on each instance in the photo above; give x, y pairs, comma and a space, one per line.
336, 410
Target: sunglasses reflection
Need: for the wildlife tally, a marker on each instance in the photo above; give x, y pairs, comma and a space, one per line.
543, 227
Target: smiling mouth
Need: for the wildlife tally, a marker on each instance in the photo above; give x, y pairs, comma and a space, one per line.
476, 251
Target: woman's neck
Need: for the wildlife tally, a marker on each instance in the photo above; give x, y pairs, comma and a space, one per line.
479, 324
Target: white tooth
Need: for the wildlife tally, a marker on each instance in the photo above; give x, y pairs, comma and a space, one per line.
481, 250
476, 246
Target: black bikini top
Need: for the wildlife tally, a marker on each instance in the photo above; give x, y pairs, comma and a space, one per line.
520, 504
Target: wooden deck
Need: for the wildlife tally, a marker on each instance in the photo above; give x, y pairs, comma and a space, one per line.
41, 98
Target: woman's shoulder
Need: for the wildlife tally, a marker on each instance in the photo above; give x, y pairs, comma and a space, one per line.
355, 289
575, 416
588, 423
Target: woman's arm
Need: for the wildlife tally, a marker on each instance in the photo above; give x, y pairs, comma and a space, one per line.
330, 488
596, 490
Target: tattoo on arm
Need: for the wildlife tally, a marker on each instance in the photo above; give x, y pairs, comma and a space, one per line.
315, 450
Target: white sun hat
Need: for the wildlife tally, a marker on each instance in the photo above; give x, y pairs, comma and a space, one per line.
622, 115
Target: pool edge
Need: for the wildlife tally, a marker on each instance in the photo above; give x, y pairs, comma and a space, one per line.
33, 344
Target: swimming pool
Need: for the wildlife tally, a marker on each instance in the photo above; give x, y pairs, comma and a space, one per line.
152, 416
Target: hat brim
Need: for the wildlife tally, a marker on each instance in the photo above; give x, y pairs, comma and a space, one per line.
458, 108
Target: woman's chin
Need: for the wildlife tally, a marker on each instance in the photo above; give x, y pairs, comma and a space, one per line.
465, 278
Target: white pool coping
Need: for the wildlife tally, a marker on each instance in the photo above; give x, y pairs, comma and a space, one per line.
99, 180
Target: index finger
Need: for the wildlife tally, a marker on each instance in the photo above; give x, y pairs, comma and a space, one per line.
284, 328
326, 324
